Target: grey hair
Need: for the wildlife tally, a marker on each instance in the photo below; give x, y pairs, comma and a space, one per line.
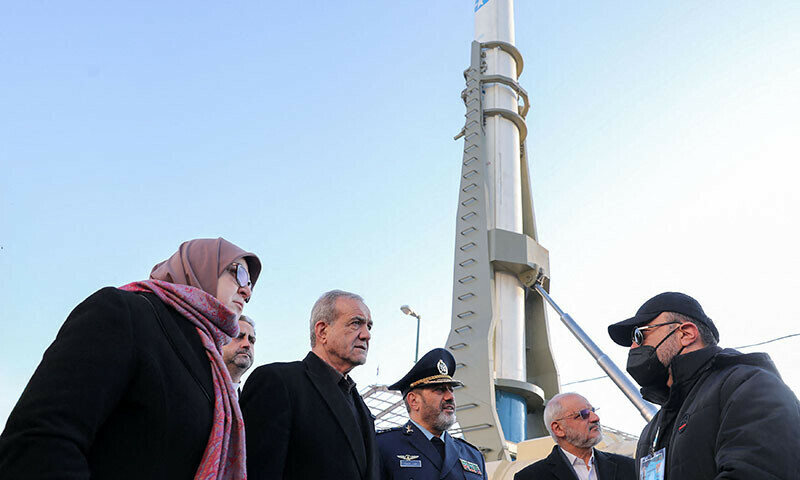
325, 309
706, 335
554, 409
245, 318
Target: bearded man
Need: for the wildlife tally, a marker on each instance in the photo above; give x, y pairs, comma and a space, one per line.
724, 414
238, 353
422, 448
575, 427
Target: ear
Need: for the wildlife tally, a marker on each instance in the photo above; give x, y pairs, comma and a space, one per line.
689, 334
413, 400
557, 430
321, 332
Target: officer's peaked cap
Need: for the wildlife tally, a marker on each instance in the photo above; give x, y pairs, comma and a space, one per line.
434, 368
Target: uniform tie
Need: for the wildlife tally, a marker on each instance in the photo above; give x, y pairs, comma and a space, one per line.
439, 445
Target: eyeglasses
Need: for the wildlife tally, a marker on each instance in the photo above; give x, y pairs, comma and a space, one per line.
582, 414
637, 335
240, 274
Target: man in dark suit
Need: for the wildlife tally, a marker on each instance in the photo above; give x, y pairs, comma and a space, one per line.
238, 353
305, 420
422, 449
574, 425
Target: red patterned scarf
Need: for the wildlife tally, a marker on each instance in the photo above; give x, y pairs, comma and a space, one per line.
224, 457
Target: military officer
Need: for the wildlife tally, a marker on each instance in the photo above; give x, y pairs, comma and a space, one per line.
422, 449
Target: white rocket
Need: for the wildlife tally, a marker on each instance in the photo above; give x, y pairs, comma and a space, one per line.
499, 334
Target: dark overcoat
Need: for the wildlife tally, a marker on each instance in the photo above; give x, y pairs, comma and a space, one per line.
300, 427
462, 461
122, 393
610, 466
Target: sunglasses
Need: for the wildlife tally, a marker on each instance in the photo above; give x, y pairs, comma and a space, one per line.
637, 335
582, 414
240, 274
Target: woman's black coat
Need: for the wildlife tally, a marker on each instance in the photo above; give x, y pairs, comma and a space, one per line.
123, 392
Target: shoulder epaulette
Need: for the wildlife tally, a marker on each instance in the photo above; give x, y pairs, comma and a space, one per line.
464, 441
385, 430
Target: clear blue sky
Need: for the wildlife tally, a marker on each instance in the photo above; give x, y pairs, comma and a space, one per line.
664, 156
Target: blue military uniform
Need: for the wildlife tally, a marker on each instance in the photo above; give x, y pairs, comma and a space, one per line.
407, 453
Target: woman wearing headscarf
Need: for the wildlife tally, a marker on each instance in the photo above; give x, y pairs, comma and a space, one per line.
134, 385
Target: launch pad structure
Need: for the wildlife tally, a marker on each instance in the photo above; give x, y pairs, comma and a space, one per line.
501, 276
481, 253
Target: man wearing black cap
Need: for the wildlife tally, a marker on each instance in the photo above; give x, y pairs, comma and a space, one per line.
422, 448
723, 414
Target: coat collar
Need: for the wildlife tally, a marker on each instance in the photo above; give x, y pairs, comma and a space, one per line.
559, 466
685, 371
178, 331
319, 374
686, 367
605, 464
450, 456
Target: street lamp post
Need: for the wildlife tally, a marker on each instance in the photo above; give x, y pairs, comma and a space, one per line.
408, 311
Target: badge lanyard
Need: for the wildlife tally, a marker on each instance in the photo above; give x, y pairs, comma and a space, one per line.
653, 466
655, 440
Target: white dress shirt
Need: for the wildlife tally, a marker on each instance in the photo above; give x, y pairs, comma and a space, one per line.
579, 466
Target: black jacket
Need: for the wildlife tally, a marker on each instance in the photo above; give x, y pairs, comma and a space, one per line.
727, 416
610, 466
119, 394
299, 425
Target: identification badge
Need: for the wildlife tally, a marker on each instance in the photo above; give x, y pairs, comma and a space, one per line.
410, 461
652, 467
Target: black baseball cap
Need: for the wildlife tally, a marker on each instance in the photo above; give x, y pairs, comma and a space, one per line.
663, 302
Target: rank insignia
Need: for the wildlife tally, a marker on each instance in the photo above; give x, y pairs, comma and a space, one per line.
410, 461
470, 467
408, 428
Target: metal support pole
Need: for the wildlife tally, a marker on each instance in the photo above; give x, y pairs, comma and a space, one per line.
646, 409
409, 311
416, 352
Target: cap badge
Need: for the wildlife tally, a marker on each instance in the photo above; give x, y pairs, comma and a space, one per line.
442, 367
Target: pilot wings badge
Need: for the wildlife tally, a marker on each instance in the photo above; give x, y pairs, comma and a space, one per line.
410, 461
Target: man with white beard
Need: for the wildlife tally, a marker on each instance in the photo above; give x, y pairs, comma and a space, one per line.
422, 448
575, 427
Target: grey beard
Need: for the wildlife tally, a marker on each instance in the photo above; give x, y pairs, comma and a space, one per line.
444, 421
580, 442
